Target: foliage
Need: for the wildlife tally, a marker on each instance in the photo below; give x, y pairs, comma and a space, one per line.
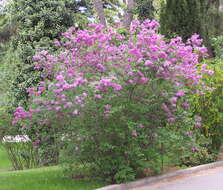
112, 9
7, 28
177, 16
6, 127
39, 23
176, 143
145, 9
111, 94
215, 18
8, 69
209, 105
217, 43
22, 155
184, 18
197, 157
48, 148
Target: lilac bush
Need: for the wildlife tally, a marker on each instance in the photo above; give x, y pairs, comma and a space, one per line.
111, 91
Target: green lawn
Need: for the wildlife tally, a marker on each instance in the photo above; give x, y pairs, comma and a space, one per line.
4, 161
47, 178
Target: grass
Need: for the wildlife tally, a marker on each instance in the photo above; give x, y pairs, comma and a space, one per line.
4, 161
46, 178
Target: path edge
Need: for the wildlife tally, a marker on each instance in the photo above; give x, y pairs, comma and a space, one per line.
149, 180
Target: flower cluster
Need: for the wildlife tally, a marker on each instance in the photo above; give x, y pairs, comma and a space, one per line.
102, 64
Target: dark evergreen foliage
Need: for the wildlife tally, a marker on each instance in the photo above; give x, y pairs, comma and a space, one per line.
145, 9
183, 18
39, 22
186, 17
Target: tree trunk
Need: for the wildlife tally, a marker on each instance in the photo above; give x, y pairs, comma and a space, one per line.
100, 11
217, 4
128, 16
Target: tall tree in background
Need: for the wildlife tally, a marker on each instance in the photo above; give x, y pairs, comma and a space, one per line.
215, 17
98, 4
114, 6
39, 22
128, 15
145, 9
113, 10
183, 18
186, 17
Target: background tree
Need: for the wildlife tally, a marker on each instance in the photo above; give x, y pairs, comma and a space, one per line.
8, 60
128, 15
145, 9
187, 17
182, 18
98, 4
40, 22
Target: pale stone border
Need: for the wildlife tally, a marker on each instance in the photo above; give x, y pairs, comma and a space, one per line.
149, 180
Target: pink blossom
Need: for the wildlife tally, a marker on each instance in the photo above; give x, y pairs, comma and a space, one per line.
134, 133
107, 117
97, 96
37, 134
195, 149
148, 63
180, 93
197, 125
106, 112
141, 126
37, 100
107, 106
37, 58
167, 64
60, 78
186, 105
140, 74
188, 133
210, 72
171, 120
57, 43
37, 110
117, 87
58, 108
68, 104
41, 89
173, 99
130, 73
75, 112
143, 80
31, 90
198, 119
77, 148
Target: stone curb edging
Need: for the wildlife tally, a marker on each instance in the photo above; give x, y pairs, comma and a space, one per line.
148, 180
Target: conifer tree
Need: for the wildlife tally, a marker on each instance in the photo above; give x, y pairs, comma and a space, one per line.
40, 23
185, 18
